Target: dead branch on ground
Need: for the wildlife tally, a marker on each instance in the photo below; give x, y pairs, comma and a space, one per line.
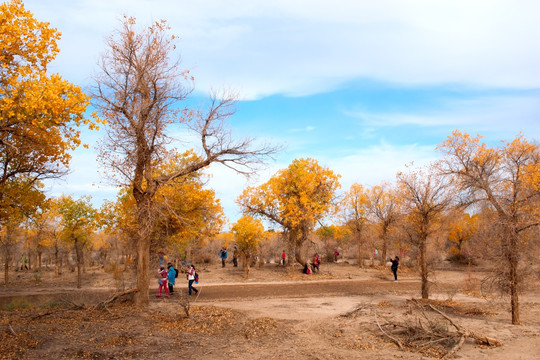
432, 333
104, 304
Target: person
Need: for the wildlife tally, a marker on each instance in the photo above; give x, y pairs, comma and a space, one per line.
162, 281
171, 275
317, 262
191, 278
235, 257
283, 256
223, 256
394, 267
336, 254
306, 270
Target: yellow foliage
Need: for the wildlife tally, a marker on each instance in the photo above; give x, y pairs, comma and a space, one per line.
248, 233
295, 197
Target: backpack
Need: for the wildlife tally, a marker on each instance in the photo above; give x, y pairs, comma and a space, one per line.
176, 273
196, 277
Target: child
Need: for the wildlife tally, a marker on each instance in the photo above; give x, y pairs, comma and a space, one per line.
163, 281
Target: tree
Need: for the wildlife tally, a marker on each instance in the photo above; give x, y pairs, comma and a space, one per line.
425, 198
462, 229
384, 207
502, 178
295, 198
355, 211
248, 233
189, 213
77, 225
139, 91
39, 113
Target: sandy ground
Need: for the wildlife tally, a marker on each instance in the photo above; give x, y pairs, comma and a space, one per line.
276, 313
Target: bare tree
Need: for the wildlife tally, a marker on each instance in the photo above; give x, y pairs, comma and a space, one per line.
384, 208
497, 177
425, 198
139, 91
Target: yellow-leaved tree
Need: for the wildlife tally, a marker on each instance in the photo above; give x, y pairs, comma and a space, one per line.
355, 214
503, 178
295, 198
78, 223
463, 226
39, 112
248, 233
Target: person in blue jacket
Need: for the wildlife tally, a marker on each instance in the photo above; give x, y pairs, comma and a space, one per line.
171, 275
223, 256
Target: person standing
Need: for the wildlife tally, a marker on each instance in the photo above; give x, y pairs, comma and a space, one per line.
191, 278
162, 281
171, 275
235, 257
223, 256
394, 267
283, 257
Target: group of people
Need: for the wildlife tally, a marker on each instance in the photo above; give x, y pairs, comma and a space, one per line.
168, 276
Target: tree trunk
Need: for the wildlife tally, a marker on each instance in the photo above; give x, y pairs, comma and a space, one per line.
423, 268
514, 280
384, 244
144, 225
56, 262
78, 254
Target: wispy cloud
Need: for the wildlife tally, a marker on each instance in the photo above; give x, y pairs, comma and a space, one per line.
303, 47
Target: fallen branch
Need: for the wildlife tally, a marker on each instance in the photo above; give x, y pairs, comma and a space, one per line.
386, 334
12, 331
115, 297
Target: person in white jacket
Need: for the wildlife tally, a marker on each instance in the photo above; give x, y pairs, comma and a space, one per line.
191, 279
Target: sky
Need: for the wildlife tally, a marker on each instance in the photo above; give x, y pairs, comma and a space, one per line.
364, 87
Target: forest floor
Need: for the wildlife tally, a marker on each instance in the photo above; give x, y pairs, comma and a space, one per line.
343, 312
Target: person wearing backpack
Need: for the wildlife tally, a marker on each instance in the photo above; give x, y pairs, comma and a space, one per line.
171, 275
191, 276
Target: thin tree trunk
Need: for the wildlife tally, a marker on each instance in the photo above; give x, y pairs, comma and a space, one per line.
6, 269
423, 269
78, 254
514, 280
384, 244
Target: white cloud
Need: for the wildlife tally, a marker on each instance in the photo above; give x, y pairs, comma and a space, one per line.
304, 47
497, 115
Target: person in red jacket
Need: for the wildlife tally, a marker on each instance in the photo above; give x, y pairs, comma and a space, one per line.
162, 281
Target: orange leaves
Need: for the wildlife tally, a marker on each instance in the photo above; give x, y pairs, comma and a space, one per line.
248, 233
38, 112
295, 197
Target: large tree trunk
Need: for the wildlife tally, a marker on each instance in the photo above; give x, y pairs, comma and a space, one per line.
144, 223
423, 268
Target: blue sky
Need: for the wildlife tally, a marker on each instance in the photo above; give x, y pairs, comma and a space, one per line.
365, 87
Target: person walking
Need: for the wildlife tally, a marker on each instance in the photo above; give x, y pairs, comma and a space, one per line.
283, 257
191, 278
162, 281
171, 275
394, 267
